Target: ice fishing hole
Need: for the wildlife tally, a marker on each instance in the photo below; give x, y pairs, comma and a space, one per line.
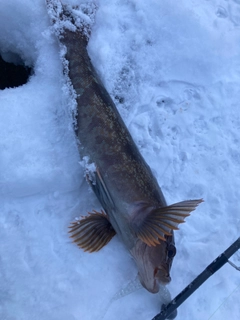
13, 71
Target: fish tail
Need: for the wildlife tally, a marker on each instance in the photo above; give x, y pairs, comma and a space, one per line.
77, 19
72, 26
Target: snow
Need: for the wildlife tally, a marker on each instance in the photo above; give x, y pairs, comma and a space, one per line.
173, 69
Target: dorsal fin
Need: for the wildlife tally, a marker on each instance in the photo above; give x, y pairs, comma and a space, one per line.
160, 222
92, 232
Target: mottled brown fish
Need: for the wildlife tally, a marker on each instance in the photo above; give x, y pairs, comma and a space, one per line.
133, 204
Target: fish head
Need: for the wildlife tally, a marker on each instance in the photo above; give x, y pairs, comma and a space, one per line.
154, 262
154, 248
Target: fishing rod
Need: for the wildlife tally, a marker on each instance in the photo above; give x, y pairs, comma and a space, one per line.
169, 311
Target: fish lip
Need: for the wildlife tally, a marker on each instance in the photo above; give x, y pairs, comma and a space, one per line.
157, 283
154, 288
165, 280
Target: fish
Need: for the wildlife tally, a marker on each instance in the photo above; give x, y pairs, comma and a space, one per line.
133, 205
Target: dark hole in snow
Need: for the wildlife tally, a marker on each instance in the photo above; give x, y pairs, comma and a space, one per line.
13, 71
119, 99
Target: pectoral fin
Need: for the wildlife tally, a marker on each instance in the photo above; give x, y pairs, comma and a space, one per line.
160, 222
99, 188
92, 232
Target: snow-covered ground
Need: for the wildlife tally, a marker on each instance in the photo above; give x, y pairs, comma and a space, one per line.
173, 69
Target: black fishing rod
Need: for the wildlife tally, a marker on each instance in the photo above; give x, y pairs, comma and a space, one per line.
169, 311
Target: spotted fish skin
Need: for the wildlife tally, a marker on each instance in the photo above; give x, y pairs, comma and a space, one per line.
105, 139
103, 135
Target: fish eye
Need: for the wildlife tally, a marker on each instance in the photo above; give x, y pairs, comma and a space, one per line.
171, 251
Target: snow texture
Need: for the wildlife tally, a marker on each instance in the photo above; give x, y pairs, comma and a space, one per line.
173, 70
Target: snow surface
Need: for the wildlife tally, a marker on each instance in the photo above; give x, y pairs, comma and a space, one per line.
173, 69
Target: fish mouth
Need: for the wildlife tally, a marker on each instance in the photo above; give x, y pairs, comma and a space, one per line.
153, 287
162, 275
159, 278
165, 280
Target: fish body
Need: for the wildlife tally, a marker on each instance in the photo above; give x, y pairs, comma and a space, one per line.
106, 142
133, 204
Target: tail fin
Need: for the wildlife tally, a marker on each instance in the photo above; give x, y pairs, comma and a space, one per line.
74, 18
